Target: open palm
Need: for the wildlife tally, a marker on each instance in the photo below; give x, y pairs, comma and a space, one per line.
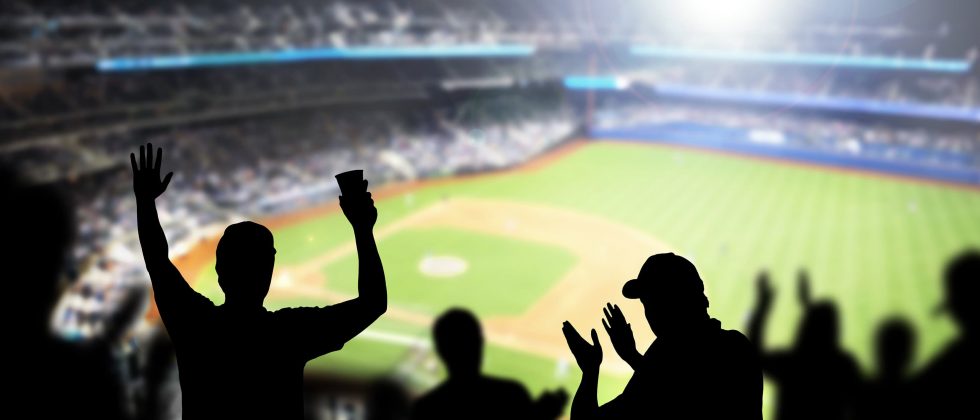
587, 355
620, 333
146, 176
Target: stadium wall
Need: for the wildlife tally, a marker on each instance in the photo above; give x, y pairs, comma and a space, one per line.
741, 141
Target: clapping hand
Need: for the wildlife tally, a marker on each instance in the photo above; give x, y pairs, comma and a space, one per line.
587, 355
620, 334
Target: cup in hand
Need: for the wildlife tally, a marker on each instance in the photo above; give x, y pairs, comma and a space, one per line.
352, 183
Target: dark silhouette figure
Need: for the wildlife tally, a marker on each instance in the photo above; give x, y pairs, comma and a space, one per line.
239, 360
946, 387
694, 369
887, 395
387, 400
157, 370
470, 394
816, 378
49, 377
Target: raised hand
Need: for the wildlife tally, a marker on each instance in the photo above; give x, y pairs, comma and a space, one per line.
146, 176
764, 289
587, 355
360, 210
620, 334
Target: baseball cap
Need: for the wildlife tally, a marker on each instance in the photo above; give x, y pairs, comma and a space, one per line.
667, 274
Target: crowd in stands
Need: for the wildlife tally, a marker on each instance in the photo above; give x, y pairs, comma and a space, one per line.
50, 32
922, 145
54, 33
97, 100
958, 90
66, 33
134, 98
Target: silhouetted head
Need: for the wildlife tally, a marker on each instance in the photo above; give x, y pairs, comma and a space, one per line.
459, 342
671, 291
820, 329
961, 280
894, 348
245, 258
39, 231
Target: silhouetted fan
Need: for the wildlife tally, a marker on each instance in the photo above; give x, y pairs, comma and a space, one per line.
470, 394
387, 400
946, 387
48, 377
816, 378
888, 395
693, 370
239, 360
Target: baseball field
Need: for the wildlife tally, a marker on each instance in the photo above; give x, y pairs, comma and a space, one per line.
528, 248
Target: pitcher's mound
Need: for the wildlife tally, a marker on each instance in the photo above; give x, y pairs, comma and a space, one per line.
442, 266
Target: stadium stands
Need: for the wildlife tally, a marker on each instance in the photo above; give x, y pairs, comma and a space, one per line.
952, 147
479, 41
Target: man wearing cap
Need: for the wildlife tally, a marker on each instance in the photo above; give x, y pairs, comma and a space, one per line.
694, 368
239, 360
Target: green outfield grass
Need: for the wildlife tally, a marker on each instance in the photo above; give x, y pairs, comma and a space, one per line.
875, 245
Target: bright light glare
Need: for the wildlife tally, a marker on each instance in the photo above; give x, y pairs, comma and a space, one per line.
726, 16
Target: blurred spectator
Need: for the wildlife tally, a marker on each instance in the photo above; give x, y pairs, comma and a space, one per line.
467, 392
942, 389
51, 377
817, 379
888, 394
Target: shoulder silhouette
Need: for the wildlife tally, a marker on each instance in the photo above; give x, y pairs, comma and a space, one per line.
694, 368
239, 360
467, 392
817, 379
946, 386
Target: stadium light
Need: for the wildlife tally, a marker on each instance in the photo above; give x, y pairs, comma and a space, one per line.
723, 16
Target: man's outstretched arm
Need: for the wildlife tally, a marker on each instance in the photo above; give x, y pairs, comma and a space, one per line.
349, 318
169, 287
772, 362
372, 293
